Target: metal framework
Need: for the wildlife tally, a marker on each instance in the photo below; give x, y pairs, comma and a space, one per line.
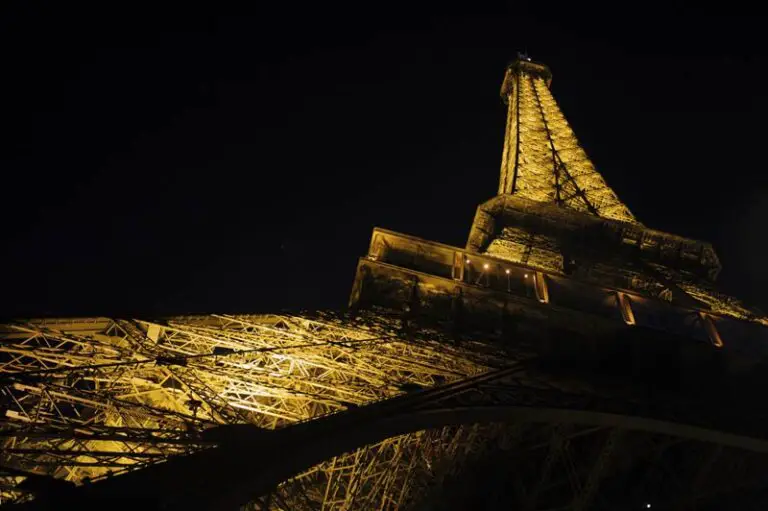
459, 379
83, 399
542, 159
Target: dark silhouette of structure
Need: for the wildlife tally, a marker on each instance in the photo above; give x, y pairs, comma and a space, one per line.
567, 358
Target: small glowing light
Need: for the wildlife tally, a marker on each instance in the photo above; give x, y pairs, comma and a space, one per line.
526, 275
485, 266
647, 506
506, 271
468, 261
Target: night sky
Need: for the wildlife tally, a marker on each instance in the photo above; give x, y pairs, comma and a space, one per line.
187, 161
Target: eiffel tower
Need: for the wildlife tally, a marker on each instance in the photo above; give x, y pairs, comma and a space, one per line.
567, 358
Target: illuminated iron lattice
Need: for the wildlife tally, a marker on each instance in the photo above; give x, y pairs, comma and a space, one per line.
88, 397
543, 163
542, 159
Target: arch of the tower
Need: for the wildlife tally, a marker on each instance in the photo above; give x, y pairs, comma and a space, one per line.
89, 397
364, 453
587, 355
340, 439
532, 448
393, 461
535, 459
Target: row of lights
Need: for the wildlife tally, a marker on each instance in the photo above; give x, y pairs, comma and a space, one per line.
540, 286
625, 308
487, 266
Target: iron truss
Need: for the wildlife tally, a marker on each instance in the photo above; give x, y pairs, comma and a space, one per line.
542, 159
332, 411
100, 403
84, 399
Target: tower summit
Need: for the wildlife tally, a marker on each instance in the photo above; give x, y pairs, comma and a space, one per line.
586, 354
542, 159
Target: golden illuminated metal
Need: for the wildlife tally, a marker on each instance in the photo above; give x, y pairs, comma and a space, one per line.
547, 178
540, 285
85, 398
709, 325
625, 306
91, 396
391, 473
542, 159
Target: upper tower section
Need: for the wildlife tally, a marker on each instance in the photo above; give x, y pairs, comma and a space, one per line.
542, 159
555, 233
555, 212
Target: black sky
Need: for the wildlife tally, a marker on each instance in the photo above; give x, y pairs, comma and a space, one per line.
188, 160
